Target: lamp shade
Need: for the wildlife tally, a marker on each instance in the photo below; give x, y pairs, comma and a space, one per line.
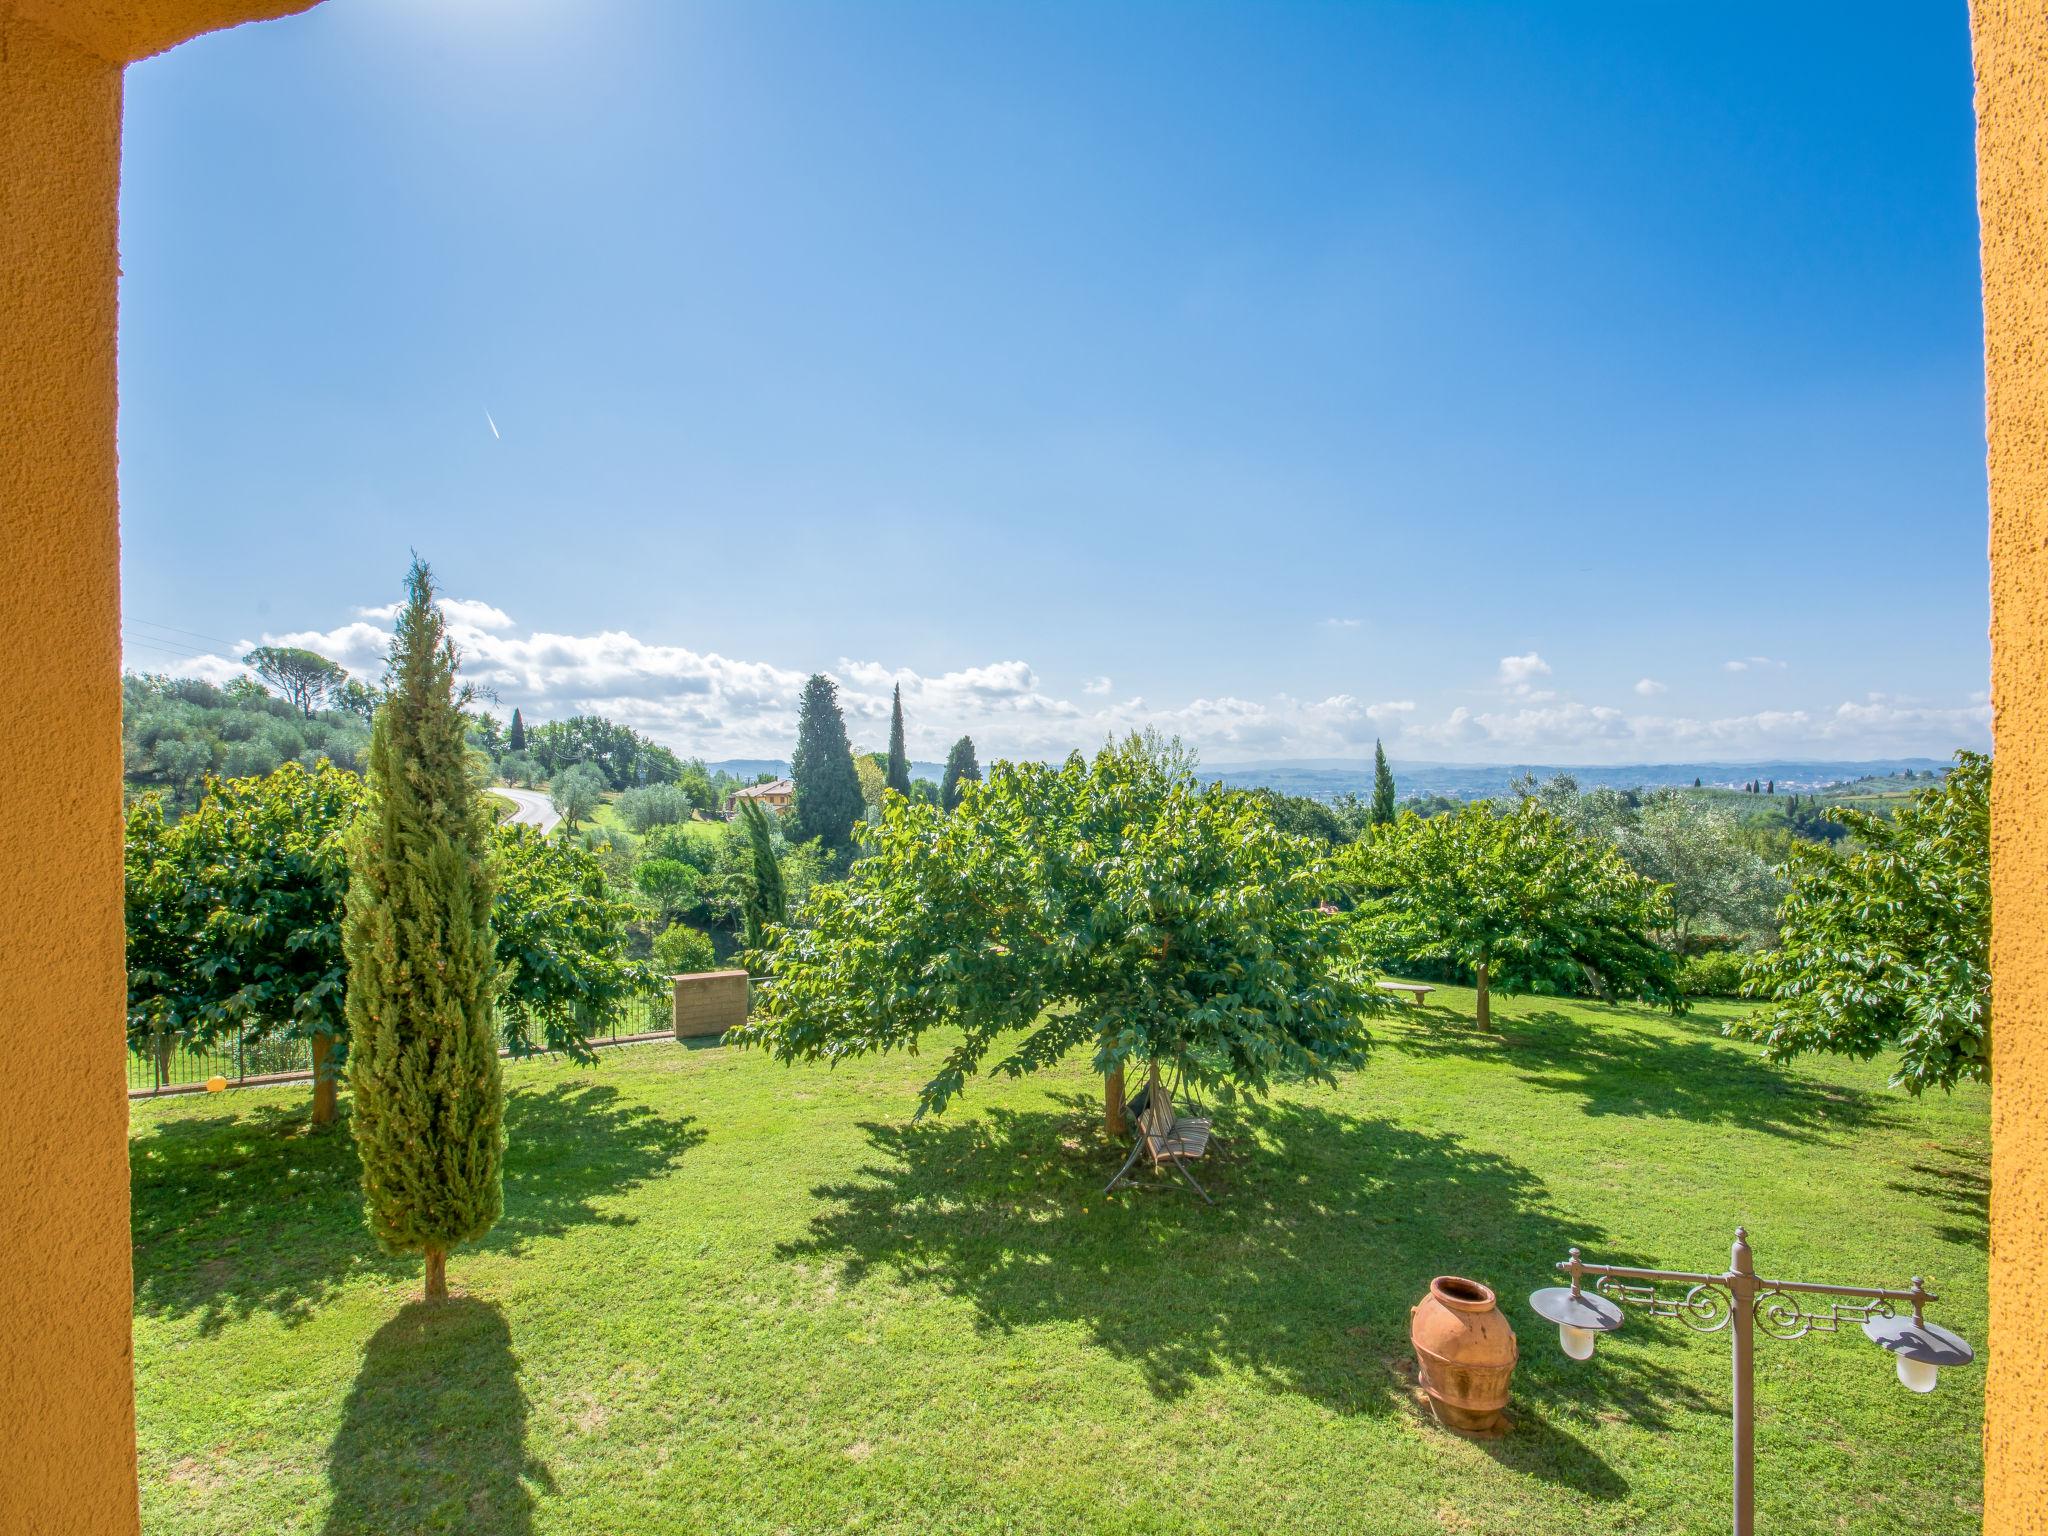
1581, 1317
1922, 1349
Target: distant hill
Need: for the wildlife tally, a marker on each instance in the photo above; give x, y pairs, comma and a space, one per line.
1327, 778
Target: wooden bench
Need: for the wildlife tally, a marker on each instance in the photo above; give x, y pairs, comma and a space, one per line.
1165, 1137
1414, 989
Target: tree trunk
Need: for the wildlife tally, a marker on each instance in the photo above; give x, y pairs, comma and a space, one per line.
1113, 1102
1485, 1011
162, 1054
437, 1274
323, 1080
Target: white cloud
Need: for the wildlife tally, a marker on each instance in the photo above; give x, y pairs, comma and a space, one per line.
1753, 664
704, 703
1342, 623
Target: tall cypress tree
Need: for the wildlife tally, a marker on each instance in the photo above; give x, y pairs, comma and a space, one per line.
1382, 787
828, 798
429, 1107
899, 759
515, 739
961, 768
768, 903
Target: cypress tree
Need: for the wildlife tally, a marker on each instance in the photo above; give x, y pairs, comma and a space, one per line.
961, 768
429, 1107
898, 777
769, 903
515, 739
1382, 787
828, 798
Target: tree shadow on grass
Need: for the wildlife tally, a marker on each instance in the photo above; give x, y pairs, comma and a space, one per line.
1327, 1228
433, 1435
1617, 1067
239, 1213
1959, 1184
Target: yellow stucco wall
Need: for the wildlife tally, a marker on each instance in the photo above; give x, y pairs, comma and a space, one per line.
67, 1415
2010, 42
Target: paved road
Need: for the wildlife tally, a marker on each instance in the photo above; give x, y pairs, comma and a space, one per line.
535, 808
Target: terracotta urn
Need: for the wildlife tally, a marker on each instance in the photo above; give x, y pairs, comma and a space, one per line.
1465, 1352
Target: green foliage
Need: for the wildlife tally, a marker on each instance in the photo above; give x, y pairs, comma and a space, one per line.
1382, 788
1714, 973
1299, 816
562, 941
828, 797
899, 755
767, 903
1113, 905
305, 678
577, 792
1517, 898
874, 782
681, 950
961, 770
422, 964
515, 738
175, 732
654, 805
1887, 946
621, 756
670, 884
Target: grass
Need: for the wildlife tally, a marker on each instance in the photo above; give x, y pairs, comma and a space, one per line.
732, 1297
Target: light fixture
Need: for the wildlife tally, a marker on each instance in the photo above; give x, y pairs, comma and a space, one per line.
1742, 1302
1923, 1348
1580, 1318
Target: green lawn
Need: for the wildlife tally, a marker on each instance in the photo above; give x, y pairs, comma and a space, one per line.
731, 1297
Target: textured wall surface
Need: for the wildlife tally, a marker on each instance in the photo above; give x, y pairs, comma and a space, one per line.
2010, 42
67, 1429
67, 1403
710, 1003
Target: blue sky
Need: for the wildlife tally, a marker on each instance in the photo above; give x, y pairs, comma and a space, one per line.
1569, 382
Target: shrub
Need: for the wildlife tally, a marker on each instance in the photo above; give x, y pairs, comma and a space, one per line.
1717, 973
654, 805
680, 950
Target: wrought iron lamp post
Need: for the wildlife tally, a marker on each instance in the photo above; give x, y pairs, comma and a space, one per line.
1743, 1301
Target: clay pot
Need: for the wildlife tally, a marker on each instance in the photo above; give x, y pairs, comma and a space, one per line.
1465, 1352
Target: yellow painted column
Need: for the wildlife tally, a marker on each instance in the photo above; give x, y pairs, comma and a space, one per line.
67, 1403
2010, 45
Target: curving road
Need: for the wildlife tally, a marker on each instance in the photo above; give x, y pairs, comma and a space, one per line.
535, 808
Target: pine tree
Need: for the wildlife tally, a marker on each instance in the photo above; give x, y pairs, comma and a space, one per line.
768, 902
1382, 787
429, 1107
899, 759
515, 739
828, 799
961, 768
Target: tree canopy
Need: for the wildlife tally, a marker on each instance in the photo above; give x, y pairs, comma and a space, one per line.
304, 677
1382, 787
1517, 898
1886, 945
828, 795
899, 755
961, 770
576, 793
1114, 906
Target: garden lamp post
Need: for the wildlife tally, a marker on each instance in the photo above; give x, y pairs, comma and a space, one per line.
1742, 1301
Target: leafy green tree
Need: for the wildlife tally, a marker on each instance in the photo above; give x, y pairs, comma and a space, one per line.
562, 942
577, 791
766, 903
654, 805
621, 755
874, 781
961, 770
429, 1106
235, 919
515, 738
1886, 946
176, 732
303, 677
828, 798
1382, 788
1517, 898
1114, 906
357, 699
899, 755
670, 884
680, 950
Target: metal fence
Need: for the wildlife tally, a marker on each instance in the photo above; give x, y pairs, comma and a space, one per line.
243, 1059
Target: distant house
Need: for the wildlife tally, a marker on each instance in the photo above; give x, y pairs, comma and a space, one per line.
776, 795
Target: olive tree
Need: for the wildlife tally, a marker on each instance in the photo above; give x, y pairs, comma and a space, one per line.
1516, 897
1887, 946
1113, 906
